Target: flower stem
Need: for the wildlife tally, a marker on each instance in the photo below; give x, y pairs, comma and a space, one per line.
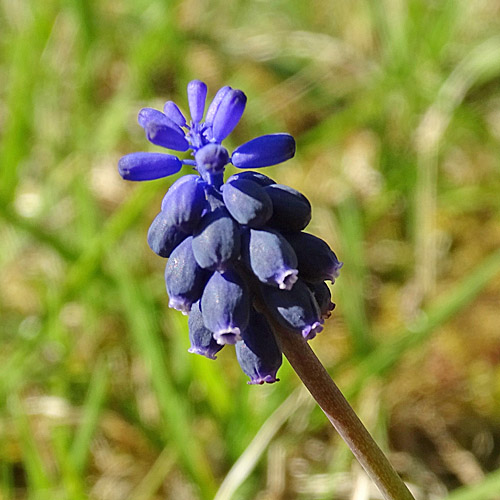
340, 413
333, 403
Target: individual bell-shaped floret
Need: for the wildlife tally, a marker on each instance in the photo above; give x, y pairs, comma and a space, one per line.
323, 297
184, 202
216, 241
161, 130
250, 175
317, 261
258, 353
148, 166
270, 257
202, 339
291, 209
184, 278
264, 151
295, 309
163, 236
247, 202
225, 305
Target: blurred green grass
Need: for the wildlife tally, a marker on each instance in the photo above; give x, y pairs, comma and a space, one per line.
396, 111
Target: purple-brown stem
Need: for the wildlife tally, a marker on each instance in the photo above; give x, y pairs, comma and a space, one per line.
340, 413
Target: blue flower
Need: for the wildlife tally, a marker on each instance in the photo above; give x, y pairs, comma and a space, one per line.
171, 130
258, 353
202, 339
236, 246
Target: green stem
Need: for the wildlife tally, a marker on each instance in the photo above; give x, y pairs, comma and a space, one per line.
341, 415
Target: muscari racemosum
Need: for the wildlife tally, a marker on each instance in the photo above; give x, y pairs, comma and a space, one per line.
239, 263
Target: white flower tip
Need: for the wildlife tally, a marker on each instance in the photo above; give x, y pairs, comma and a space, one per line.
288, 279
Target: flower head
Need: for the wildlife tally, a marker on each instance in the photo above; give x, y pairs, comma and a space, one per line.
226, 242
171, 130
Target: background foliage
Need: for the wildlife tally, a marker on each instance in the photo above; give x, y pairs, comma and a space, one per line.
396, 111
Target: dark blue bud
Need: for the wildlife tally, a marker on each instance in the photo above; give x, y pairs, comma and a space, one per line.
184, 202
211, 160
216, 240
148, 166
214, 105
163, 237
317, 261
197, 93
258, 353
249, 175
184, 278
270, 257
228, 114
323, 298
202, 339
173, 112
225, 305
295, 309
291, 209
247, 202
264, 151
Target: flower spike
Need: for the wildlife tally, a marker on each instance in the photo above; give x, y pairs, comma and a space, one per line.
236, 245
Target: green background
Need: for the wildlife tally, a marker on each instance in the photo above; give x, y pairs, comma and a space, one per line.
395, 107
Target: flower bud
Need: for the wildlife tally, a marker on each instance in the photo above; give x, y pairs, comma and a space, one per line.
197, 94
148, 166
214, 105
216, 241
202, 339
163, 236
264, 151
161, 130
225, 306
270, 257
184, 202
211, 160
317, 261
250, 175
184, 278
247, 202
291, 209
228, 114
295, 309
173, 112
258, 353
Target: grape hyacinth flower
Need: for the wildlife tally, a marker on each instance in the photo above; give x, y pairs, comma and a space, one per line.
239, 262
229, 243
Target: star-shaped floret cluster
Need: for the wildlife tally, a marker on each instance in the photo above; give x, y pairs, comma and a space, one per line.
171, 130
